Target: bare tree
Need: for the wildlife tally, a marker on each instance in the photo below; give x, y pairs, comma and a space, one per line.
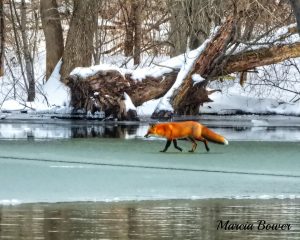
129, 29
27, 54
296, 8
2, 38
22, 38
53, 34
191, 22
137, 22
23, 49
133, 30
79, 45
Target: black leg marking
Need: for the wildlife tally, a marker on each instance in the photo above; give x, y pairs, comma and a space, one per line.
167, 146
206, 145
201, 139
176, 146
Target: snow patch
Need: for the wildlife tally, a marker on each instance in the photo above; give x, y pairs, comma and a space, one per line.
56, 92
84, 72
197, 78
156, 71
12, 105
235, 100
147, 108
187, 64
128, 103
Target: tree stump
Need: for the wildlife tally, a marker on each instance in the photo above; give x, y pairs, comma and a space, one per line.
104, 91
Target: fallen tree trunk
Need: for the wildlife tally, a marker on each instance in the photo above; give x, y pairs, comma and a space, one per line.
187, 99
257, 58
105, 89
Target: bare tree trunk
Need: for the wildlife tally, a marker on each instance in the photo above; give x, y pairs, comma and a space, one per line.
178, 34
96, 53
136, 12
53, 34
129, 30
79, 46
133, 30
2, 38
296, 9
27, 55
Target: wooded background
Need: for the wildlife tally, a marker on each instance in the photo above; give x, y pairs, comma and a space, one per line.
85, 33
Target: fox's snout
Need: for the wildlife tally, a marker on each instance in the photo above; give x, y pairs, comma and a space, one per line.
151, 130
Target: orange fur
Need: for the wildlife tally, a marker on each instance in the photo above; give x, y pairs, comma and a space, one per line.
189, 130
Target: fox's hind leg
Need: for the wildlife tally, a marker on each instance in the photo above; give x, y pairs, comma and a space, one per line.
176, 146
194, 144
167, 146
201, 139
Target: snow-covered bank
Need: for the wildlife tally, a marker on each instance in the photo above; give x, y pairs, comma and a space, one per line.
236, 104
223, 104
232, 104
270, 90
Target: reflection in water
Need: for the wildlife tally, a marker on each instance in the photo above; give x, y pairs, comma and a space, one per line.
69, 130
147, 220
109, 131
66, 130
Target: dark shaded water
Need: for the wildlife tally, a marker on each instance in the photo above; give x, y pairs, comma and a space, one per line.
148, 220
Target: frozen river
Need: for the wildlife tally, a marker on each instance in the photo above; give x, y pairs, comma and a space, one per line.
113, 169
108, 176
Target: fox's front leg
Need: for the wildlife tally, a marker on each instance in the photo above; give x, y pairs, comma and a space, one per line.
167, 146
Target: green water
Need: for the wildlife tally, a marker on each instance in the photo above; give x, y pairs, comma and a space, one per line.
117, 169
114, 188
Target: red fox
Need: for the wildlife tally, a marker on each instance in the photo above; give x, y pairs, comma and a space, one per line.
185, 130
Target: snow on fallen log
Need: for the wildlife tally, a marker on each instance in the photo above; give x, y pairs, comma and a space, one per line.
103, 87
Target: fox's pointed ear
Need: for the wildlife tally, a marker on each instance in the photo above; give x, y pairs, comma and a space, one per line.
151, 124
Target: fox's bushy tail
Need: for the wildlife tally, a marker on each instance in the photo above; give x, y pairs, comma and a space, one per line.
213, 137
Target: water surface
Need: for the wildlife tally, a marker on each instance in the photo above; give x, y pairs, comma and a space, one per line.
148, 220
239, 129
